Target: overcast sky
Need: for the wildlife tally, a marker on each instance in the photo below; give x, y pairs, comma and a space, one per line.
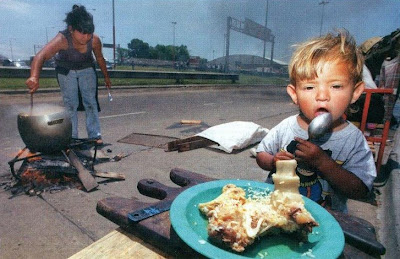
200, 24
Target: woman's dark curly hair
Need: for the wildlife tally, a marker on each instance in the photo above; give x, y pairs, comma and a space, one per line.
79, 19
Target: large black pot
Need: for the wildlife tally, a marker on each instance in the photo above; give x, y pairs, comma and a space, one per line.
46, 132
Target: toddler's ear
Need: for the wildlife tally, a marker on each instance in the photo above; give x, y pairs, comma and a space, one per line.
291, 90
358, 90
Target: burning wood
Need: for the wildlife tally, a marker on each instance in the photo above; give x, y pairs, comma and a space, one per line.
34, 181
54, 172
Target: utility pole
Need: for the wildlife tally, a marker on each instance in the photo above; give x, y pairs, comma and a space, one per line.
12, 54
173, 44
228, 28
323, 3
265, 40
113, 16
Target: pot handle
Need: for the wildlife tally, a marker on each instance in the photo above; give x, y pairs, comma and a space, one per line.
54, 122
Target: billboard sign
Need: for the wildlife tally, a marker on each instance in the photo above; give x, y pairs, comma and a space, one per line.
106, 45
256, 30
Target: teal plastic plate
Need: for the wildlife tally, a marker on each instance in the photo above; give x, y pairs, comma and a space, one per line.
326, 240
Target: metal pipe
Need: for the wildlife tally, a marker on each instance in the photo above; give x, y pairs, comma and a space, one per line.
113, 15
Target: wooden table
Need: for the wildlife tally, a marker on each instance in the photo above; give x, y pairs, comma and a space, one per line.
120, 244
154, 237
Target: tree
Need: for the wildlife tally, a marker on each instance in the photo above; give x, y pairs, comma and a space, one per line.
139, 49
122, 54
182, 53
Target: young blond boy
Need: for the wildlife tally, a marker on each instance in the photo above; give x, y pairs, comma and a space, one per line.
325, 76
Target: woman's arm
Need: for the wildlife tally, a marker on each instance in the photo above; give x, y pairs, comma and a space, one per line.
97, 50
49, 50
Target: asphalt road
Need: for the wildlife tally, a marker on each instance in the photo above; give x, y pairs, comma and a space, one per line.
58, 225
156, 111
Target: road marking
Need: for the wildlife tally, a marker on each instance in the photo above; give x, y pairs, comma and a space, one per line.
207, 104
120, 115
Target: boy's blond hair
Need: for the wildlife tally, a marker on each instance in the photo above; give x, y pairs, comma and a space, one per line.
309, 57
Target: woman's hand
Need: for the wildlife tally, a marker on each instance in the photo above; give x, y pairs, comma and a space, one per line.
107, 82
32, 83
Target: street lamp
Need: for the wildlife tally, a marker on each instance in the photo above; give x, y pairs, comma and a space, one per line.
12, 55
173, 46
323, 3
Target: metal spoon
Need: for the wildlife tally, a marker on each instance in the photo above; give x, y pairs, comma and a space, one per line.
319, 126
110, 98
31, 103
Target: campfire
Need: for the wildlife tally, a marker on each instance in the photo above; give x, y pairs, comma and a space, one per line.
53, 172
50, 159
40, 174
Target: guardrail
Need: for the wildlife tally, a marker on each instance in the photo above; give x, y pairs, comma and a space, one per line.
12, 72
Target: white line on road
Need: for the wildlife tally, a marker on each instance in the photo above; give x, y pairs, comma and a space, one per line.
120, 115
207, 104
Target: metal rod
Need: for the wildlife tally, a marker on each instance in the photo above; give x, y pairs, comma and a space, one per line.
31, 103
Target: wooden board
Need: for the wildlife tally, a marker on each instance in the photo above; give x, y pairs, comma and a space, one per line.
157, 231
84, 175
119, 244
189, 143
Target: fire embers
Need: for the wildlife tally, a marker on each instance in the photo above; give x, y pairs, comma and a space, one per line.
44, 175
40, 181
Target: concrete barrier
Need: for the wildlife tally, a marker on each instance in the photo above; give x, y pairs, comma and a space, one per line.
12, 72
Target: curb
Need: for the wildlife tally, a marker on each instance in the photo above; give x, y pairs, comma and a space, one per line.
389, 215
57, 89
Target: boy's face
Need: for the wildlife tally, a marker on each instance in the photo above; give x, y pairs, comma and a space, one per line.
331, 91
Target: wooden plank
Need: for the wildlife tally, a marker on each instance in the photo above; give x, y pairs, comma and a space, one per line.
195, 144
155, 230
196, 122
84, 175
112, 175
120, 244
189, 143
174, 145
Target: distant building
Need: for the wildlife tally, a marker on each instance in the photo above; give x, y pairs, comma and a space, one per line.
194, 61
148, 62
3, 58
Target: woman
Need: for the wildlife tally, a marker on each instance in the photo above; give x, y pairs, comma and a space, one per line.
73, 49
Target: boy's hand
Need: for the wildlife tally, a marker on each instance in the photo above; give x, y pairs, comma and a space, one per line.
310, 153
283, 155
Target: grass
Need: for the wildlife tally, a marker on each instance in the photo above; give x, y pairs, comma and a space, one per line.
244, 79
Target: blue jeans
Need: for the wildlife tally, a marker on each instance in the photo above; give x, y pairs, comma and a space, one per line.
86, 80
